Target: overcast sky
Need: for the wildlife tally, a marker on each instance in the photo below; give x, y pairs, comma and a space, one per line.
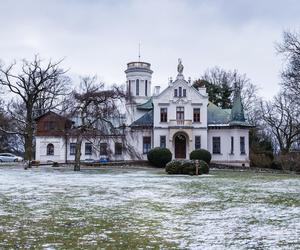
100, 37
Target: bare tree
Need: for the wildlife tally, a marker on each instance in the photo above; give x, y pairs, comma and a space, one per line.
96, 109
290, 49
36, 89
281, 117
220, 86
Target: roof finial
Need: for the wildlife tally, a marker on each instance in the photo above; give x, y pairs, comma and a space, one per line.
180, 66
139, 51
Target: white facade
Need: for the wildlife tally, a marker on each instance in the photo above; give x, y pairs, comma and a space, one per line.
179, 118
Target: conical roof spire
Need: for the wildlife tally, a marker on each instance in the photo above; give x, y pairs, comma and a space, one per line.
237, 112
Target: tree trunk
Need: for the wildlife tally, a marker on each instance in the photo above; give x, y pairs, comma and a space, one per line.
78, 153
28, 136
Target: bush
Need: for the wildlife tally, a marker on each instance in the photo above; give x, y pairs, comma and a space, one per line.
186, 167
174, 167
291, 161
262, 159
201, 154
159, 157
204, 168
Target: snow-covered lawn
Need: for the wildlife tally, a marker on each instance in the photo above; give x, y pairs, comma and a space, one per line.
134, 209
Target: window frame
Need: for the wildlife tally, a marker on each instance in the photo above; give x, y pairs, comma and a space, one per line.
146, 145
216, 150
118, 148
180, 91
180, 113
50, 149
163, 141
242, 145
164, 115
86, 145
198, 142
72, 147
103, 148
197, 115
137, 87
232, 145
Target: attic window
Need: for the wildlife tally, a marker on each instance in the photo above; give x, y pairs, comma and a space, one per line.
184, 92
49, 125
175, 92
180, 91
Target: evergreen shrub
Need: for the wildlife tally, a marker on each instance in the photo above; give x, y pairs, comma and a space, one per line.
201, 154
159, 157
186, 167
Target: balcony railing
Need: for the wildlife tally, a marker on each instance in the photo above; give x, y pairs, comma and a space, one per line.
180, 123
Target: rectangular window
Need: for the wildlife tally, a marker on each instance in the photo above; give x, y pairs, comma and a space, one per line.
162, 141
118, 148
88, 148
180, 91
49, 125
242, 145
129, 87
146, 87
175, 92
197, 142
184, 93
180, 113
232, 145
72, 148
146, 144
196, 114
163, 115
137, 87
216, 145
103, 148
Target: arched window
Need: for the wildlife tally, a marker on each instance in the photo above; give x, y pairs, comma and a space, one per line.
50, 149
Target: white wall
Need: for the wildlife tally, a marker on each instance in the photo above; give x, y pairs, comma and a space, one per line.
192, 100
41, 149
226, 157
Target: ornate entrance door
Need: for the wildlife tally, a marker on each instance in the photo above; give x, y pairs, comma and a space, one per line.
180, 146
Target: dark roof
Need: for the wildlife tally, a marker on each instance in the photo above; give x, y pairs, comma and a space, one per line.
148, 105
145, 121
52, 113
217, 115
237, 116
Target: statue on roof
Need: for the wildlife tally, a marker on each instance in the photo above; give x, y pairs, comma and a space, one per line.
180, 66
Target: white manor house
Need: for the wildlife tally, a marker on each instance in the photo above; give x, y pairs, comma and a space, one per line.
179, 117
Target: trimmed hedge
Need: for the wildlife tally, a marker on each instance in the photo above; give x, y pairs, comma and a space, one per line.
186, 167
159, 157
201, 154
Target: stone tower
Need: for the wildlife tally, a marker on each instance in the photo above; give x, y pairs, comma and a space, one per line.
138, 81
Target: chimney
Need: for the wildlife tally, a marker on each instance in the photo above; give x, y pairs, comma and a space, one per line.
170, 80
156, 90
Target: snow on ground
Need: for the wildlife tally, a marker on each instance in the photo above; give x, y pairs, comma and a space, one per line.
135, 209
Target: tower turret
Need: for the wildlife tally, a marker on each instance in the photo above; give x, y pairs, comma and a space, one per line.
138, 76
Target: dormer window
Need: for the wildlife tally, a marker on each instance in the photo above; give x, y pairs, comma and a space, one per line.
180, 92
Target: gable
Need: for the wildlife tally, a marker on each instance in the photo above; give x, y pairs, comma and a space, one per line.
191, 94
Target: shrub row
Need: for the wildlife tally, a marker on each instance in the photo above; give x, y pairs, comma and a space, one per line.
159, 157
186, 167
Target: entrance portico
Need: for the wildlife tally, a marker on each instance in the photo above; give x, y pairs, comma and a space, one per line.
180, 144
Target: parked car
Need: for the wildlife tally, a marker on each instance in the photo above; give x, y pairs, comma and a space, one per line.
8, 157
103, 159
